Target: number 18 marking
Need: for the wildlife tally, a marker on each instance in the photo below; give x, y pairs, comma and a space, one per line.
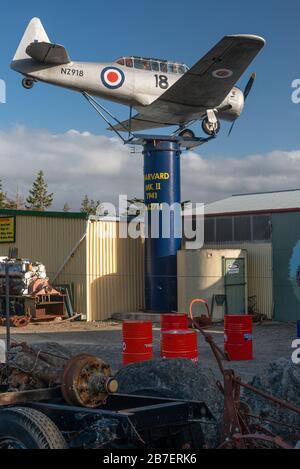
162, 82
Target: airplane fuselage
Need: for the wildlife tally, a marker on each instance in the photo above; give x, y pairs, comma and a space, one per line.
139, 87
117, 83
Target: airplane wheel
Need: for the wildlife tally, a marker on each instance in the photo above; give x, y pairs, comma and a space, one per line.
27, 83
209, 128
187, 133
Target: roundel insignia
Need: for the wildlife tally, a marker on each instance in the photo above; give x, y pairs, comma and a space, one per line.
112, 77
222, 73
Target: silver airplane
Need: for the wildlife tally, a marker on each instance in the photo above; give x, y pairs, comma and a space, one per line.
164, 93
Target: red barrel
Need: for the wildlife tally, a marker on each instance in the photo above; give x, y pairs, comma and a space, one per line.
137, 341
174, 322
239, 337
180, 344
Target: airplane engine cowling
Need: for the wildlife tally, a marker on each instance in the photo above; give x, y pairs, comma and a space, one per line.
236, 100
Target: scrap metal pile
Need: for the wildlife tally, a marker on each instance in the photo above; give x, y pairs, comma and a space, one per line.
83, 380
246, 427
31, 295
262, 414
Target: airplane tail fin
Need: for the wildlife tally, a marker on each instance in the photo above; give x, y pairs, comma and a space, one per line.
35, 32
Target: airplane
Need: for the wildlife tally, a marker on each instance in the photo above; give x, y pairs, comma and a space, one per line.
164, 93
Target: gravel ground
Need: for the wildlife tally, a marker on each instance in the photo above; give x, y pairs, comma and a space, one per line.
272, 341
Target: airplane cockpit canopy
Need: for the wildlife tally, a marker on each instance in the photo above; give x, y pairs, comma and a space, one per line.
154, 65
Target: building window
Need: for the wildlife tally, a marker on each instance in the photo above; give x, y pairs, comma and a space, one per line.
224, 230
242, 229
209, 230
262, 228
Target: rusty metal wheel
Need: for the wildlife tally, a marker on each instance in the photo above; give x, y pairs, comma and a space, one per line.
87, 381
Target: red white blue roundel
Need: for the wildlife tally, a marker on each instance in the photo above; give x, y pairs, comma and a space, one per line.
222, 73
112, 77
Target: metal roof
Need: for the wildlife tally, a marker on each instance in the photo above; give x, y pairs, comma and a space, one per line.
33, 213
287, 200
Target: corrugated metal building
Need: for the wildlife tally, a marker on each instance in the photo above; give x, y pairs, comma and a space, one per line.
267, 225
105, 273
208, 273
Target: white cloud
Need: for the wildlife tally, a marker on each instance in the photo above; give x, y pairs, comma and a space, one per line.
77, 163
217, 177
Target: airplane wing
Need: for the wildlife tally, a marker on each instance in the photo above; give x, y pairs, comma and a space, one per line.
204, 86
47, 53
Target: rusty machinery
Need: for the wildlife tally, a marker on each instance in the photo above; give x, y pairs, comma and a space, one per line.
238, 429
84, 380
31, 297
79, 395
35, 375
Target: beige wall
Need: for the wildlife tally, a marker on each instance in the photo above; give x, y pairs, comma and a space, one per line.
50, 240
260, 273
115, 272
200, 275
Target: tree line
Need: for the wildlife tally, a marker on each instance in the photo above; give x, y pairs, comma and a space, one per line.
40, 199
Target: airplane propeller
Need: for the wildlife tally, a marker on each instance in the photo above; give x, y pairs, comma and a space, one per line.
247, 91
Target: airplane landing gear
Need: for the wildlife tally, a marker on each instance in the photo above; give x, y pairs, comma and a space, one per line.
211, 124
27, 83
187, 133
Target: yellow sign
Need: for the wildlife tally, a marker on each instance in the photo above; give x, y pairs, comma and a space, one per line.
7, 230
157, 176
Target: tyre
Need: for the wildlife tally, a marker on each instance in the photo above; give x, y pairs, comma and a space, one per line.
187, 133
22, 428
210, 129
27, 83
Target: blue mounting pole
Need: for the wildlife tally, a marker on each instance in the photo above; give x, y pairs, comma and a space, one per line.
162, 186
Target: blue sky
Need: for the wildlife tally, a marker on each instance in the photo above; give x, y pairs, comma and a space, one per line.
102, 31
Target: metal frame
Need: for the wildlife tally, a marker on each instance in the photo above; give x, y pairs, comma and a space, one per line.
138, 419
140, 139
237, 425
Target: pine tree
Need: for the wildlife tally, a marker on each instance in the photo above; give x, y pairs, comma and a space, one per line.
85, 205
2, 196
17, 203
90, 206
38, 198
66, 208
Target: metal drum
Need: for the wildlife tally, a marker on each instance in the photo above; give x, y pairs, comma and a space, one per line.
137, 341
174, 322
239, 337
180, 344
